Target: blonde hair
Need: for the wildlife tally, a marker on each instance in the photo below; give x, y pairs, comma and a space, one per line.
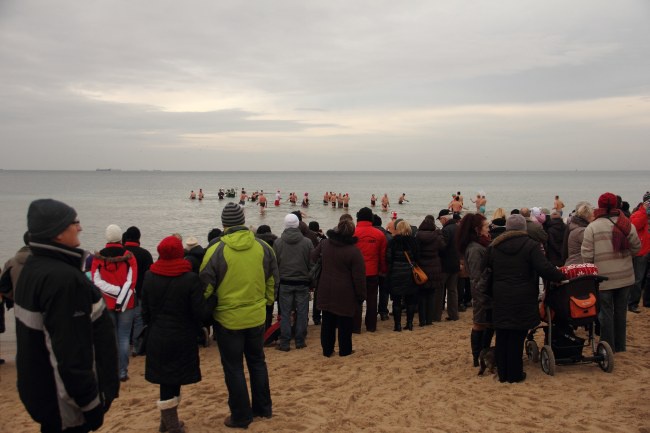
499, 213
404, 228
585, 211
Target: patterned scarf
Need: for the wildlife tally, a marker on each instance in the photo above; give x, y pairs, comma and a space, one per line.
621, 228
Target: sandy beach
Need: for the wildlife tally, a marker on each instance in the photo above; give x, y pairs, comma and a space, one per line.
419, 381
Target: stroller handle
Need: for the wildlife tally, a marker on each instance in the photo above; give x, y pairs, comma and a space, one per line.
597, 278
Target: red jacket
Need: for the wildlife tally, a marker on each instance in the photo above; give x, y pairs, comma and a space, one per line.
372, 244
640, 221
115, 271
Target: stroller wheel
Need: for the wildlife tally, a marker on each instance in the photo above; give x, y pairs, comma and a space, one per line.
532, 351
547, 359
605, 357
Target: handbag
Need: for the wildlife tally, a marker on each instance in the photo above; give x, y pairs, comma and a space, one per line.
315, 271
419, 276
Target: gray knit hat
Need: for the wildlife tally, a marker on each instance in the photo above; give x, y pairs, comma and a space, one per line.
47, 218
232, 215
516, 222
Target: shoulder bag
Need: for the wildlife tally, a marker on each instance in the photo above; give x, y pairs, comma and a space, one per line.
419, 276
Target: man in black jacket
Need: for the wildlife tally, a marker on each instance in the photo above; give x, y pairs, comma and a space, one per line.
66, 347
450, 268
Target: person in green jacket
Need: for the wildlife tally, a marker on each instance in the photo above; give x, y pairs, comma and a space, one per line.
244, 272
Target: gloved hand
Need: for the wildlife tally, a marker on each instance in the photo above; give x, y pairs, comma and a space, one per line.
94, 417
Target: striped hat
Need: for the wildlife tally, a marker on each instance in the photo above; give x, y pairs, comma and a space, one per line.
232, 215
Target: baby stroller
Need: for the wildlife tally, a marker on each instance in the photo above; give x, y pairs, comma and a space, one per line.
567, 307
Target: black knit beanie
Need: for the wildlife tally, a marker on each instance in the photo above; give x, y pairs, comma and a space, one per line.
47, 218
132, 234
364, 214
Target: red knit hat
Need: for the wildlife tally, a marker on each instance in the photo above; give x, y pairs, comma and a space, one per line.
607, 201
171, 248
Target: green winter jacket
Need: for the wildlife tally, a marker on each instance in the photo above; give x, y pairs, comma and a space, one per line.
245, 273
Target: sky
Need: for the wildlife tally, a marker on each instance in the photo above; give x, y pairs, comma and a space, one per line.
324, 85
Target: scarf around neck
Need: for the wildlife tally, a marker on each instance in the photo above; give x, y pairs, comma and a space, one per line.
620, 230
170, 267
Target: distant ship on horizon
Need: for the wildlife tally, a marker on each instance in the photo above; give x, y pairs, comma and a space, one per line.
107, 169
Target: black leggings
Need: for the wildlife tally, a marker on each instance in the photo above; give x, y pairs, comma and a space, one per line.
167, 392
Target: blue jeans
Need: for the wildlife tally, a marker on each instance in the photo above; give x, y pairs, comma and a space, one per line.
234, 345
123, 322
138, 325
613, 317
640, 265
288, 295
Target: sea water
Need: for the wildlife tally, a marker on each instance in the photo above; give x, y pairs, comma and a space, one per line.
158, 202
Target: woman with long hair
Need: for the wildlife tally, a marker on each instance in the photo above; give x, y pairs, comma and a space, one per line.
472, 240
400, 276
430, 241
172, 306
341, 287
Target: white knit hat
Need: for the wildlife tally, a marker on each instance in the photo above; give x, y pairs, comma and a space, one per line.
291, 221
113, 234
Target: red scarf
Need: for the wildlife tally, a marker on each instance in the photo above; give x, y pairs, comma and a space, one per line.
485, 240
621, 228
170, 267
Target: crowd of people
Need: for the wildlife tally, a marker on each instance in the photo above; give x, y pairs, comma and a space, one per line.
80, 316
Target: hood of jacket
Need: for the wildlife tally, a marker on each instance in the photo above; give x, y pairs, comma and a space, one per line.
510, 242
337, 238
576, 222
239, 238
292, 236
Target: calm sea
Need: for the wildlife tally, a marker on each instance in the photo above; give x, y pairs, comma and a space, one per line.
157, 202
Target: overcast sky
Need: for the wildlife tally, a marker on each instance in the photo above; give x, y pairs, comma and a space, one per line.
325, 85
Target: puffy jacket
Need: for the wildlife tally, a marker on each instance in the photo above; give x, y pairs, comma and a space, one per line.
640, 220
342, 284
372, 244
173, 308
597, 249
293, 251
67, 350
144, 261
244, 271
430, 243
573, 235
400, 275
115, 271
516, 261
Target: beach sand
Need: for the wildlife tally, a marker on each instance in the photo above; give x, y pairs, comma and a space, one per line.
419, 381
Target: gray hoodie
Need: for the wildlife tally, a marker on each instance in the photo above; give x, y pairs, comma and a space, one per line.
292, 251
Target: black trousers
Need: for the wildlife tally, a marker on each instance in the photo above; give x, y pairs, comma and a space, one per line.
331, 322
382, 306
167, 392
509, 352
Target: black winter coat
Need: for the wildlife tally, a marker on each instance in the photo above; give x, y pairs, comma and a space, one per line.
516, 262
400, 275
195, 257
555, 230
449, 256
144, 260
172, 308
342, 284
430, 243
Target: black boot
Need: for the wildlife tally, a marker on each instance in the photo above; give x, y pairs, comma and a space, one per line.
476, 340
397, 317
410, 312
486, 340
422, 311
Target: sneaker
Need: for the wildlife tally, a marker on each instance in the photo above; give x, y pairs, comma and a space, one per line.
301, 345
283, 348
124, 378
383, 316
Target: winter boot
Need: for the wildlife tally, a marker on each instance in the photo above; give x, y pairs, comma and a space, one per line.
410, 312
476, 340
169, 416
397, 317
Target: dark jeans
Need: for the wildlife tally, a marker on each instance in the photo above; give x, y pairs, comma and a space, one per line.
425, 306
332, 322
464, 292
382, 307
613, 317
234, 345
509, 350
640, 266
291, 296
372, 286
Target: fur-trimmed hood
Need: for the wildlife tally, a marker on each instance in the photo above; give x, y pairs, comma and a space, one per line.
335, 236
